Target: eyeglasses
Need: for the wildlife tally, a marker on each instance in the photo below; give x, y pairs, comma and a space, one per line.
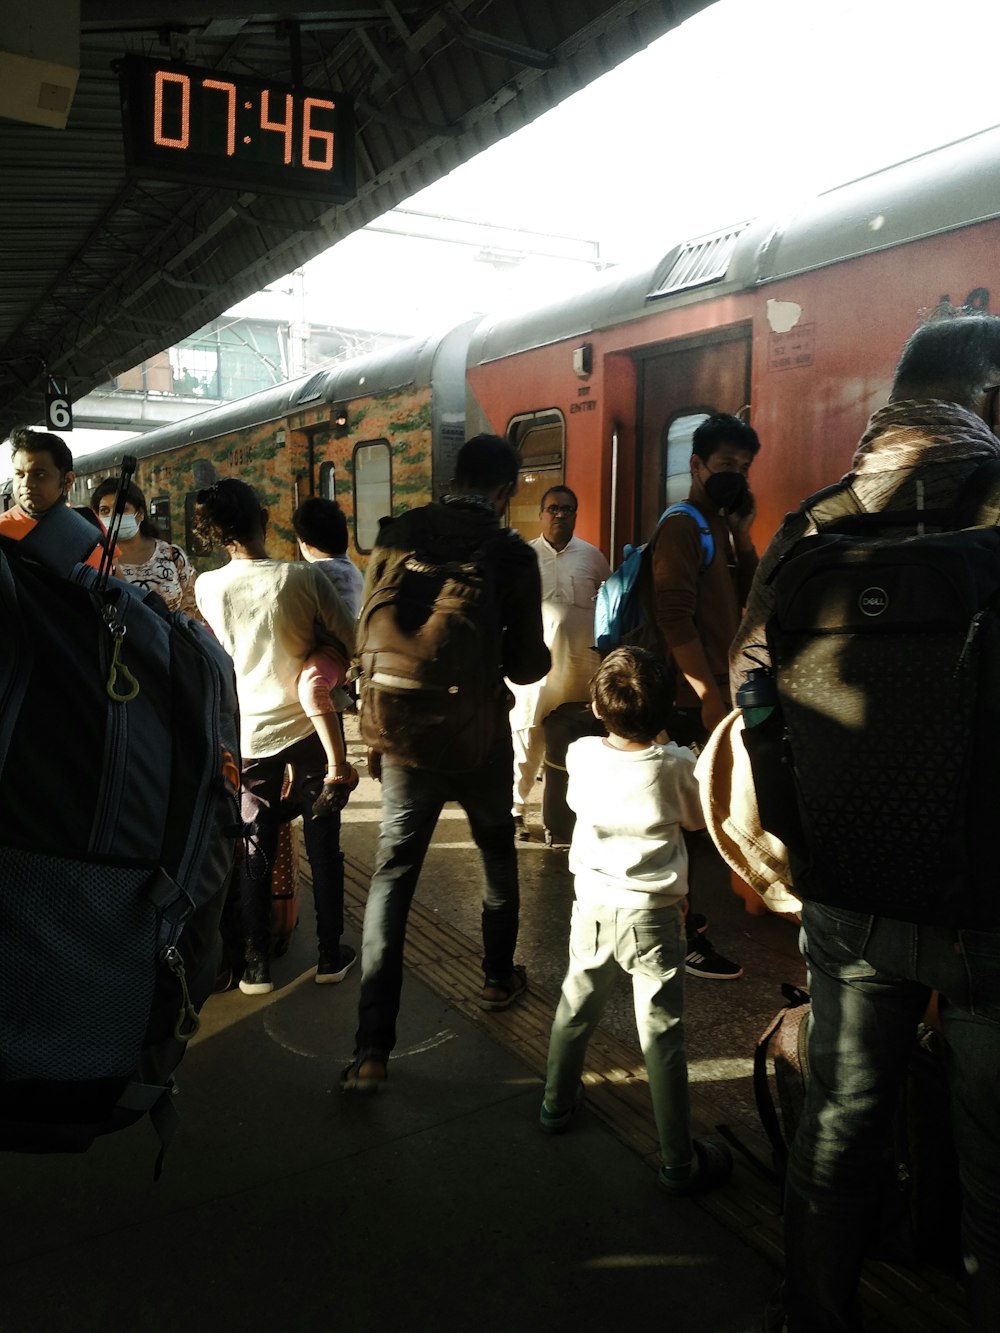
560, 509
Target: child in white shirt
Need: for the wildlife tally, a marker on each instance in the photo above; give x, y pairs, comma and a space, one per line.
633, 793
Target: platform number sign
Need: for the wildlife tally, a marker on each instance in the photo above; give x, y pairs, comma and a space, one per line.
58, 408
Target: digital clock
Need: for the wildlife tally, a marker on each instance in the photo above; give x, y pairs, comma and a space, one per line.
212, 127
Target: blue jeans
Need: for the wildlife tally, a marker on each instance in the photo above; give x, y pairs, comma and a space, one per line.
871, 979
649, 945
412, 800
262, 781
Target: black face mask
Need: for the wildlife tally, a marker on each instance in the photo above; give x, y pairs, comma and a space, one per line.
727, 490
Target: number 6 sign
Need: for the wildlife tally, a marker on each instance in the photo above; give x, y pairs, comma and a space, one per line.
58, 408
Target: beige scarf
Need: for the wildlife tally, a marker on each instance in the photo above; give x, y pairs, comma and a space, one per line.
901, 436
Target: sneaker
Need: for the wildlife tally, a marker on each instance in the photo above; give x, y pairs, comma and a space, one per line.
335, 794
256, 979
554, 842
520, 829
712, 1166
366, 1073
334, 967
702, 960
500, 994
557, 1122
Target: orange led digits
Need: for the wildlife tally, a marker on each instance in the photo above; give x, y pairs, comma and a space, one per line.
309, 135
165, 140
279, 126
230, 90
228, 130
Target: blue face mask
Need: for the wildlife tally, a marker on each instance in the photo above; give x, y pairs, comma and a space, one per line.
129, 528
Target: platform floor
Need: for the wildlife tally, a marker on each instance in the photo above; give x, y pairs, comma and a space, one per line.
436, 1205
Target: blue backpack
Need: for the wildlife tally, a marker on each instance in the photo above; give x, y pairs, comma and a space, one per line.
619, 609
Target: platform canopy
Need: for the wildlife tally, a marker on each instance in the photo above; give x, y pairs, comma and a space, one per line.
103, 264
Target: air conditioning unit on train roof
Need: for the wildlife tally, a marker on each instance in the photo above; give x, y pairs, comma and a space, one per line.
699, 262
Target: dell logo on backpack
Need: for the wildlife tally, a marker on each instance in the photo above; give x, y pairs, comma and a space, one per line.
873, 601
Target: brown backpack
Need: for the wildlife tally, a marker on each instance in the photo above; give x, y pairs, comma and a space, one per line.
429, 660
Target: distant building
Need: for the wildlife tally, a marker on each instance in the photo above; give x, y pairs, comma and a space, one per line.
227, 359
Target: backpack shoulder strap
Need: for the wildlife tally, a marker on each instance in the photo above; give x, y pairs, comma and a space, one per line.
707, 540
60, 539
833, 503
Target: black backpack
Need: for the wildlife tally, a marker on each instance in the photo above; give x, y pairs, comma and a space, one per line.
119, 774
885, 645
428, 658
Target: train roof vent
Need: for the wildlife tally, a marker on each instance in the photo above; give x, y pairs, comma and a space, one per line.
700, 261
312, 388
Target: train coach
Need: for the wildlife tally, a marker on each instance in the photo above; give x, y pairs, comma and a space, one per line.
797, 322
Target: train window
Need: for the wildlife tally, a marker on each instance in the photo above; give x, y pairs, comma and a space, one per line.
328, 481
540, 439
159, 513
677, 456
372, 490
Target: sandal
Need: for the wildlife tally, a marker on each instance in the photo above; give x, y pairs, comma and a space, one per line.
367, 1072
335, 794
500, 994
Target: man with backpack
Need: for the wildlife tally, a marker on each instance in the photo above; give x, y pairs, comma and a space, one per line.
452, 605
697, 601
43, 475
875, 606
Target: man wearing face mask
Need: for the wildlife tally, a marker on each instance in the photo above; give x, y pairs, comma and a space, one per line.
697, 605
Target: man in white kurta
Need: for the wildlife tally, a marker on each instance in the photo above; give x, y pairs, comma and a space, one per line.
572, 570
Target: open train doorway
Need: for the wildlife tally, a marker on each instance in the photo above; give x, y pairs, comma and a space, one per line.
677, 388
540, 440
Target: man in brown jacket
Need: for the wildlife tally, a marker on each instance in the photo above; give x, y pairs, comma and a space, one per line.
698, 601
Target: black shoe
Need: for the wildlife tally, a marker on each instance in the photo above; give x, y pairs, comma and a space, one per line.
702, 959
712, 1166
334, 967
367, 1072
256, 979
521, 829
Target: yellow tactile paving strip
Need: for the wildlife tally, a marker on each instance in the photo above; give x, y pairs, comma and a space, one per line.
448, 962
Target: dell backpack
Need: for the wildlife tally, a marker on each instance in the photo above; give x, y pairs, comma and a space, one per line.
621, 608
119, 775
885, 646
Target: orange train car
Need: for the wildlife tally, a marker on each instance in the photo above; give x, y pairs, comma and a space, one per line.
795, 321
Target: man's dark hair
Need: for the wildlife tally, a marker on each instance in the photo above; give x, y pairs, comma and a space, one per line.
228, 511
720, 429
40, 441
486, 462
321, 523
632, 693
559, 490
952, 357
135, 497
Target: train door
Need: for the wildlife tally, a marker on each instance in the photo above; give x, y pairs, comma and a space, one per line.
540, 439
678, 387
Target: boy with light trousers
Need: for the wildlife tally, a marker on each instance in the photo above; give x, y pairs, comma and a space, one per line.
633, 792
